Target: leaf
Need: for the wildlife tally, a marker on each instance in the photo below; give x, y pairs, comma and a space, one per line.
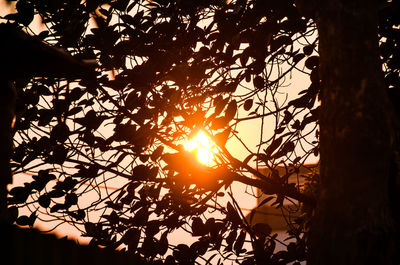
23, 220
90, 228
120, 4
262, 229
78, 215
157, 153
58, 155
297, 160
198, 228
222, 137
19, 195
74, 111
56, 193
233, 215
57, 207
70, 199
298, 57
42, 35
32, 218
308, 50
148, 246
230, 240
60, 133
269, 198
279, 130
141, 217
12, 214
312, 62
44, 200
287, 148
231, 110
279, 42
25, 12
258, 82
163, 243
219, 123
41, 90
273, 146
200, 247
220, 103
244, 57
239, 242
142, 172
248, 104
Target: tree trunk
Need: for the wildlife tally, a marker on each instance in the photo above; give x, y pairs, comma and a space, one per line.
353, 222
7, 105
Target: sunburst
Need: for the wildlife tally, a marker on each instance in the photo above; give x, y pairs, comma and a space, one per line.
203, 146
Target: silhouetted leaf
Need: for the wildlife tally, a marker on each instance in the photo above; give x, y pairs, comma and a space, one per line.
43, 34
308, 50
233, 215
277, 43
44, 200
266, 200
258, 82
230, 240
78, 215
239, 242
219, 123
248, 104
45, 116
60, 133
298, 57
198, 228
70, 199
262, 229
244, 57
157, 153
25, 12
200, 247
57, 207
19, 194
58, 155
230, 111
90, 228
120, 4
312, 62
219, 104
143, 172
25, 220
273, 146
163, 244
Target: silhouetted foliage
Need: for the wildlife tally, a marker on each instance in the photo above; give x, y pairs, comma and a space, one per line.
166, 70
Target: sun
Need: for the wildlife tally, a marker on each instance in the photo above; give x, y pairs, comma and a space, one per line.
204, 147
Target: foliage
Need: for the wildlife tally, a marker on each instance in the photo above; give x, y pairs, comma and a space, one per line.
166, 70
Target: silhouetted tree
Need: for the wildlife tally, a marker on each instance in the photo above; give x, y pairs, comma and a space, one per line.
170, 68
23, 57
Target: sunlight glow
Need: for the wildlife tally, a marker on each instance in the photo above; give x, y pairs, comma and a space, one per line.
204, 147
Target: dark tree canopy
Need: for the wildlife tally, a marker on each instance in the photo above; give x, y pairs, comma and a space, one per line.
167, 69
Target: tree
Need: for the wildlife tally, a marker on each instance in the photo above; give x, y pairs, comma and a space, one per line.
171, 68
21, 54
358, 136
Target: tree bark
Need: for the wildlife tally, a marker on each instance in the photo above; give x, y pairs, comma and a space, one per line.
7, 105
353, 222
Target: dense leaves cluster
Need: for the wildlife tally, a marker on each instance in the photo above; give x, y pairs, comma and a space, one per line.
165, 70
